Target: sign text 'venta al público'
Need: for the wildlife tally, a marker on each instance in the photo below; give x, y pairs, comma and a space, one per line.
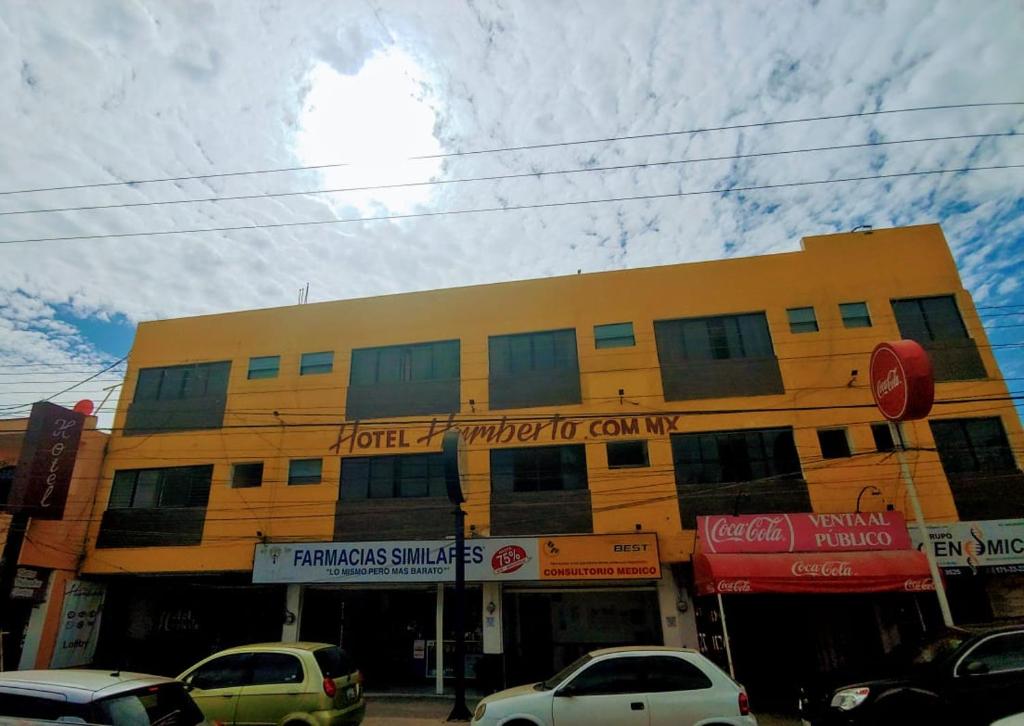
355, 436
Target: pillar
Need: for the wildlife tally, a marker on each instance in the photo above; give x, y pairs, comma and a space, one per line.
292, 614
439, 642
678, 624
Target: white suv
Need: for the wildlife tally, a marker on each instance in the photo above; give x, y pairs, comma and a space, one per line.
641, 686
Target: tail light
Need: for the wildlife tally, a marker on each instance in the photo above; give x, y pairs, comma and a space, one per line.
329, 688
744, 704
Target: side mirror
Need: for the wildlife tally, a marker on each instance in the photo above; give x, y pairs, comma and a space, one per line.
565, 692
975, 668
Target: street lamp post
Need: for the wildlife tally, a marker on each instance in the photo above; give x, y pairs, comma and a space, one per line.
875, 492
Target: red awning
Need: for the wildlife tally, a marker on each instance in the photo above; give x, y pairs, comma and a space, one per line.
893, 571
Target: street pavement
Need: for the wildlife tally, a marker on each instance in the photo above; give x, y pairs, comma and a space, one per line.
408, 711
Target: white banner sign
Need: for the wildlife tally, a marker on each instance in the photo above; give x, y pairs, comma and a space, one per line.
79, 624
396, 561
995, 545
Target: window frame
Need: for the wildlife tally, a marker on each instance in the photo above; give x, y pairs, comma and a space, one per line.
316, 369
519, 472
927, 324
799, 327
602, 341
157, 487
848, 319
305, 479
509, 369
731, 438
972, 447
263, 373
234, 469
888, 432
407, 366
433, 477
844, 432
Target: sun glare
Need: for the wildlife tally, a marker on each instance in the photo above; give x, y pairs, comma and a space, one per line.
374, 119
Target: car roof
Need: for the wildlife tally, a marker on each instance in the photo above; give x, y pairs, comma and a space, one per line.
274, 647
640, 649
80, 685
976, 629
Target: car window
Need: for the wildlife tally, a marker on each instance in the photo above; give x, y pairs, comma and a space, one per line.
557, 679
614, 675
669, 673
997, 654
334, 662
228, 671
275, 668
44, 709
164, 705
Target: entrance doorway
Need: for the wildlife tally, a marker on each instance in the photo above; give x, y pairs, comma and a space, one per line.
545, 631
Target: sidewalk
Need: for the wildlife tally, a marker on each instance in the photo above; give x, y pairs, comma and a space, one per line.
412, 711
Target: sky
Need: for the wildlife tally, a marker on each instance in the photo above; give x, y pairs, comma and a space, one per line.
106, 92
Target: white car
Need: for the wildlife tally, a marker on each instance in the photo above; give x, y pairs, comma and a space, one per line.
640, 686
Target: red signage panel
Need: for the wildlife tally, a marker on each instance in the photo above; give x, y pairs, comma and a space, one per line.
905, 571
902, 381
803, 532
48, 452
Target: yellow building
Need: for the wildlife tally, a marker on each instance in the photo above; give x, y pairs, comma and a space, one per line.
625, 403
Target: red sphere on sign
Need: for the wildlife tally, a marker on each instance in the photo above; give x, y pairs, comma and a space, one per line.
902, 382
85, 406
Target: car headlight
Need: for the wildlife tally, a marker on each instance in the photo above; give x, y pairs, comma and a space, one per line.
849, 698
480, 711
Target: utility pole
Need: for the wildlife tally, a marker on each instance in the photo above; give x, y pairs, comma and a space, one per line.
452, 451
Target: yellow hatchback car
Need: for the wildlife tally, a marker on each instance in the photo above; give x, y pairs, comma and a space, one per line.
278, 684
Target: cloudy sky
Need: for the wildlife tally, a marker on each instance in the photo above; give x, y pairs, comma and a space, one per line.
101, 92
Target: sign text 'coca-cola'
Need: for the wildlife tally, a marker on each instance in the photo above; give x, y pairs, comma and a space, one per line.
902, 382
803, 532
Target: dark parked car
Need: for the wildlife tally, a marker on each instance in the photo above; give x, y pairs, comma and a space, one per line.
968, 675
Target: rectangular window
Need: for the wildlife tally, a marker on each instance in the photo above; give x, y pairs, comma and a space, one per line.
305, 471
247, 476
802, 320
539, 468
882, 434
927, 319
179, 383
735, 456
533, 369
627, 454
834, 443
973, 445
855, 315
392, 477
316, 363
179, 398
266, 366
614, 335
168, 488
404, 380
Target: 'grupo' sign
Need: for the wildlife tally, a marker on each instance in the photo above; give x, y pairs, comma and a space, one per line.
47, 459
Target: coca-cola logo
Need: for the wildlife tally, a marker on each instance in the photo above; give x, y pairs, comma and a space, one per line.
831, 568
734, 586
916, 584
761, 530
508, 559
889, 383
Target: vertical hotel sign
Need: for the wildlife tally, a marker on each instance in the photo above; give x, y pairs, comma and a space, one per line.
48, 454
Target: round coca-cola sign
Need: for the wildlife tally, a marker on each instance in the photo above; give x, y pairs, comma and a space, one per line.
902, 383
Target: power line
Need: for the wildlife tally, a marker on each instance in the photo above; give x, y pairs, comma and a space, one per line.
513, 208
503, 177
530, 147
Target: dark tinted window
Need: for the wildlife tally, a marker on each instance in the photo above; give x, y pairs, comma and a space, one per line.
834, 443
733, 456
44, 709
926, 319
227, 671
627, 454
175, 383
275, 668
334, 662
882, 434
305, 471
165, 705
721, 337
173, 487
244, 476
614, 335
802, 320
615, 675
539, 468
970, 445
315, 363
388, 477
265, 366
855, 315
406, 363
532, 352
998, 654
668, 673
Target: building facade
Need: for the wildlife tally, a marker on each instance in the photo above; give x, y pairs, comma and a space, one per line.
276, 473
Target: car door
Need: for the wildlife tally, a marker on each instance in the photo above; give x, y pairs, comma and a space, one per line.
988, 680
679, 692
216, 685
608, 692
276, 689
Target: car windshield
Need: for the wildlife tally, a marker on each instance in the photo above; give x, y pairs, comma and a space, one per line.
562, 674
164, 705
334, 662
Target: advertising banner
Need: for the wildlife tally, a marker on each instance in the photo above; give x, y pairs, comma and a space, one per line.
803, 532
79, 624
47, 459
30, 584
490, 559
995, 546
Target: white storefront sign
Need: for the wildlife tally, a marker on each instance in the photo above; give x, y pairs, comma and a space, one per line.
995, 545
511, 559
79, 624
